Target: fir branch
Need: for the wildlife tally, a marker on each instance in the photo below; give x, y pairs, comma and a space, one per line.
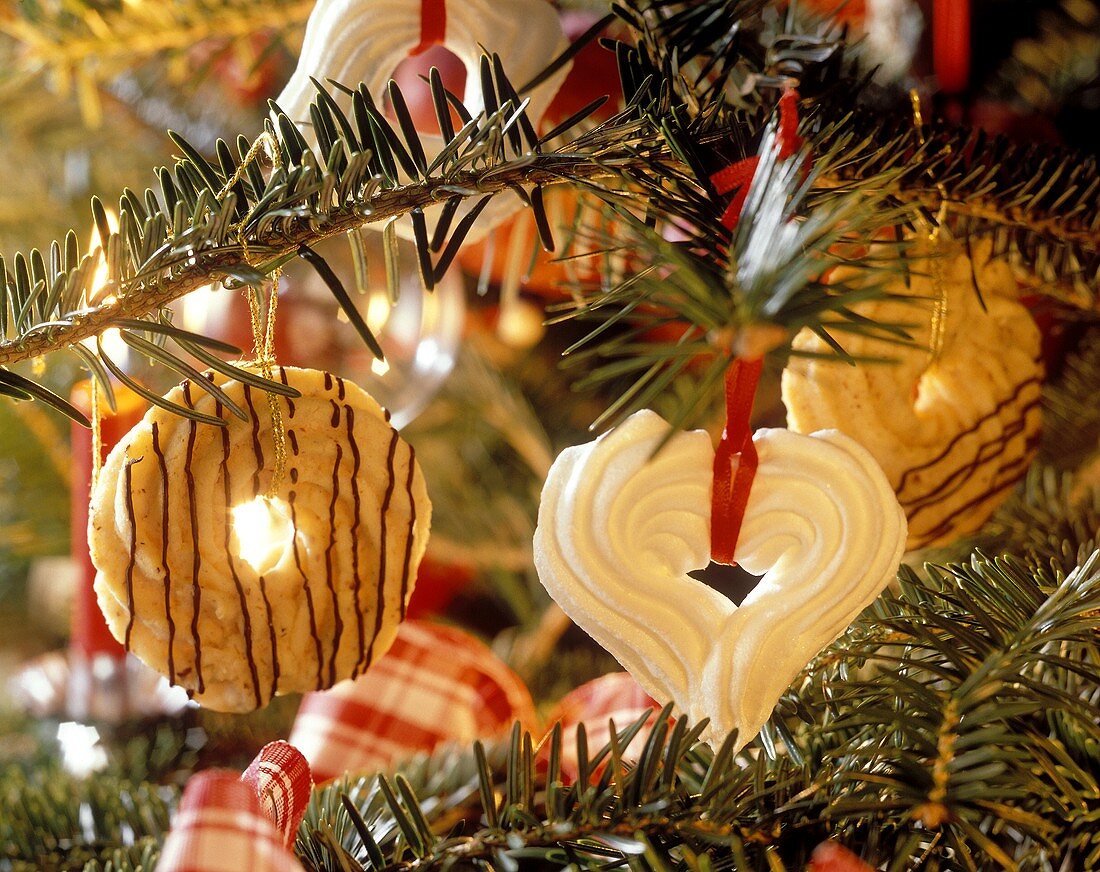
50, 820
83, 44
1041, 206
954, 722
212, 220
747, 292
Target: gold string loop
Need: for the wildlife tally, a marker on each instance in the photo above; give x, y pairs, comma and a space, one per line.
939, 305
263, 328
97, 434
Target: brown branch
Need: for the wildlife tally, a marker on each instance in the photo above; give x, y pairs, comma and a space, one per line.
145, 295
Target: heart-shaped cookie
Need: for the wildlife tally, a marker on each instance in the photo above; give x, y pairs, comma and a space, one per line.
620, 529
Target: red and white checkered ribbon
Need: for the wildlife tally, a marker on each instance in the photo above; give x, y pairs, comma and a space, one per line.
615, 699
221, 827
281, 779
435, 685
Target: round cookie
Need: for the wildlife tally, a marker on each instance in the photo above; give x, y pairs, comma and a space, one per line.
952, 430
238, 597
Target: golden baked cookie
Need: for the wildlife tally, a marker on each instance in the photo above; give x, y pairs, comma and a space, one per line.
236, 596
955, 422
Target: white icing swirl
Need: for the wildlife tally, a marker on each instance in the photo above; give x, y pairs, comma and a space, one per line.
618, 532
353, 41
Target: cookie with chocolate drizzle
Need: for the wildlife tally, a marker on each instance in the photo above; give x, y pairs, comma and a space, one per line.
238, 591
954, 421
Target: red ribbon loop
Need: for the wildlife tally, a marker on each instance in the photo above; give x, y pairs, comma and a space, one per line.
433, 25
730, 494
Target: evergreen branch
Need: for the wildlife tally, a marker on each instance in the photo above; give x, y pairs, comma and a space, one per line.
52, 820
978, 753
83, 42
1060, 59
744, 293
217, 219
1041, 206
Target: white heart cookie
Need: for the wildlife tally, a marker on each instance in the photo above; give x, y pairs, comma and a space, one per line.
619, 530
353, 41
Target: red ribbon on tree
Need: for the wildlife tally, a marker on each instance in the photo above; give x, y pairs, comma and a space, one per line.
737, 176
730, 491
433, 24
951, 44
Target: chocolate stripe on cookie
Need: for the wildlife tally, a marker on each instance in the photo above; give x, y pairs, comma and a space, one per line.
988, 451
133, 551
411, 531
383, 529
356, 503
165, 527
196, 559
338, 629
950, 446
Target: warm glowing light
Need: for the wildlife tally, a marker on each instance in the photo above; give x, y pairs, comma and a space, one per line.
196, 306
520, 325
378, 311
99, 277
113, 346
81, 751
379, 367
264, 532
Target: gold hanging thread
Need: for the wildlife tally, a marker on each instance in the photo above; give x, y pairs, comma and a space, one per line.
263, 330
263, 336
939, 306
97, 434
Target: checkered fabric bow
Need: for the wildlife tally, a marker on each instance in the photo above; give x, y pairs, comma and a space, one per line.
230, 823
615, 699
435, 685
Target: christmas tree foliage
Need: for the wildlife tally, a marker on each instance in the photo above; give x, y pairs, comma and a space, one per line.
955, 725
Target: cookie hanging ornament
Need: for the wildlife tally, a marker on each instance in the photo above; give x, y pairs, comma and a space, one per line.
239, 582
621, 525
955, 422
363, 41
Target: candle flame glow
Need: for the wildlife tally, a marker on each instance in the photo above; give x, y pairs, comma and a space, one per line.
264, 532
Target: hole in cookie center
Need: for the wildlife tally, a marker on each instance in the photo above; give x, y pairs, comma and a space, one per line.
264, 532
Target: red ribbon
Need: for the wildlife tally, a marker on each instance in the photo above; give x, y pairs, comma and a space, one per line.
737, 176
951, 44
433, 25
730, 493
